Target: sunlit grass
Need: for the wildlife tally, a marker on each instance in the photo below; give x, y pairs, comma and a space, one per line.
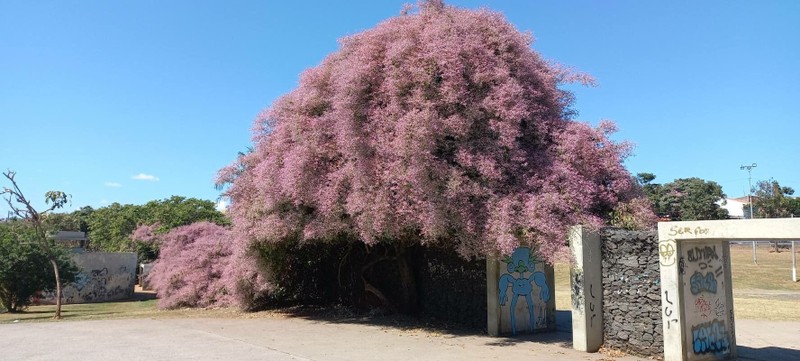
144, 306
773, 271
766, 309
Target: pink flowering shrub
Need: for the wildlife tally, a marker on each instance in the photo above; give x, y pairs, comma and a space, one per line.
147, 233
441, 126
146, 241
195, 267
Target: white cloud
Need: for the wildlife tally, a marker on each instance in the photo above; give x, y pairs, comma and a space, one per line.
112, 184
145, 177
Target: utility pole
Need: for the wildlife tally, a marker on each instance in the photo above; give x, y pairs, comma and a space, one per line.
750, 200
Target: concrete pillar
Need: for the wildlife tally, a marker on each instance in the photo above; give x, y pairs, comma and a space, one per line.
492, 303
519, 294
671, 302
696, 289
697, 302
586, 279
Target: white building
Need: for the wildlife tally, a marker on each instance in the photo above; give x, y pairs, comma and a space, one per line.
738, 208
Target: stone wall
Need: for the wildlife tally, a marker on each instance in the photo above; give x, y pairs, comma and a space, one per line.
632, 292
451, 289
103, 277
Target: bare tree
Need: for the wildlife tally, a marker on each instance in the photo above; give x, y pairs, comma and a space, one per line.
22, 208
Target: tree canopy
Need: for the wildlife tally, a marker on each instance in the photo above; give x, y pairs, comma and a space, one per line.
685, 199
23, 210
24, 266
76, 221
774, 201
111, 226
440, 126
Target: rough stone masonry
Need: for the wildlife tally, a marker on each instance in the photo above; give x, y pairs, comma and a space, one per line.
631, 292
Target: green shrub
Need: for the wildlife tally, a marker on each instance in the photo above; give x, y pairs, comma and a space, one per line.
25, 270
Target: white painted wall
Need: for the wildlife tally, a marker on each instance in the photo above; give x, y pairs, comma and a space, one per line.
735, 208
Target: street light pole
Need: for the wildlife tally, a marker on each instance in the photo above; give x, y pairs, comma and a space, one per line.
750, 199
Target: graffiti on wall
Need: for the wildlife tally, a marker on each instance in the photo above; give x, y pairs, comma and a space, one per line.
700, 283
593, 301
670, 316
710, 337
666, 252
103, 277
577, 290
520, 280
708, 331
99, 285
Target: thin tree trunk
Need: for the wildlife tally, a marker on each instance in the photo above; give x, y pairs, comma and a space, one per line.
407, 280
58, 289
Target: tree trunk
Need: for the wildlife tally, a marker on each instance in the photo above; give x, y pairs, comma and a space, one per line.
58, 289
369, 288
408, 283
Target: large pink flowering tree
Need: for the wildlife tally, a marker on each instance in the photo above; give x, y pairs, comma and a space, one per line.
441, 126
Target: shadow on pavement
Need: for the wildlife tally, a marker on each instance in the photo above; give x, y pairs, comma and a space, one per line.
342, 315
564, 321
563, 339
767, 353
561, 336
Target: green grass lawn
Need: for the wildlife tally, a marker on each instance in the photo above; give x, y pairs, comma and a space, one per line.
145, 308
85, 311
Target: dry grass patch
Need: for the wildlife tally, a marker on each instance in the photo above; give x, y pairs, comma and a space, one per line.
112, 310
773, 271
563, 288
766, 309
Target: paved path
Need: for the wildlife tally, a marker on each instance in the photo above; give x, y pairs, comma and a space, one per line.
281, 338
770, 294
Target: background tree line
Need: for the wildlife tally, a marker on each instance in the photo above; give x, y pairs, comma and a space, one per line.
690, 199
27, 249
771, 200
110, 228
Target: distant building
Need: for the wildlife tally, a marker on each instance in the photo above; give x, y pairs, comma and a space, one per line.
77, 241
738, 208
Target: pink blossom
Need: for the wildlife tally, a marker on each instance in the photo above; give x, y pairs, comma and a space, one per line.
200, 265
147, 233
443, 124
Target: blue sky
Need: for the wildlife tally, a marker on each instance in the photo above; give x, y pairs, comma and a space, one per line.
130, 102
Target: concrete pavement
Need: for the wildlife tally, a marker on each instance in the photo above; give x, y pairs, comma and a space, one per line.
295, 338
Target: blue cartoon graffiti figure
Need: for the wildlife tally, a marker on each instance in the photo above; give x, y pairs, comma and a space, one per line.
522, 262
